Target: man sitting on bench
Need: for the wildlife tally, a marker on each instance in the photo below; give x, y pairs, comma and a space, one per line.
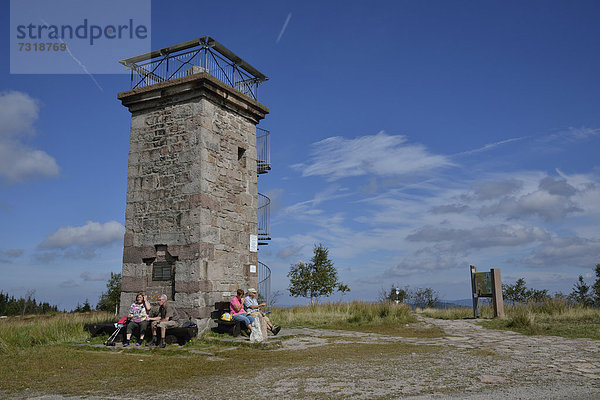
253, 308
166, 317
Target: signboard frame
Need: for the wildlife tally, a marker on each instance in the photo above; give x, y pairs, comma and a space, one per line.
487, 284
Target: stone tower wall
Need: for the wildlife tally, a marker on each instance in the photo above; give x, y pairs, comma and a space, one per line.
191, 193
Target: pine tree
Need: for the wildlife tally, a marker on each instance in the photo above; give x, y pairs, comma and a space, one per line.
86, 306
3, 303
517, 293
110, 299
596, 287
580, 293
316, 278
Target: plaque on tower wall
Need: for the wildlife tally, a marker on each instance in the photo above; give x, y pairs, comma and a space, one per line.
254, 243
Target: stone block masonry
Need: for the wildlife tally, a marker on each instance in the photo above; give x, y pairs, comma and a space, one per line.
191, 193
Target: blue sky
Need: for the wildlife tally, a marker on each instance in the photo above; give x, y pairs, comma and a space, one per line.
410, 138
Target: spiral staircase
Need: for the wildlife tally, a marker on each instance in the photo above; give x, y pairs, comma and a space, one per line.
263, 166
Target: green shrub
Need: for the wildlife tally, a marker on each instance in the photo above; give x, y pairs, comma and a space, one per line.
521, 318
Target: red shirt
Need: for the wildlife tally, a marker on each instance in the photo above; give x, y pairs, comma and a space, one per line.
237, 302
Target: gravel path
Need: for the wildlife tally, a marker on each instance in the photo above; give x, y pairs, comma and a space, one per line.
470, 363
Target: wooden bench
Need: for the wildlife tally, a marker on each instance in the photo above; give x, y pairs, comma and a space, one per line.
173, 335
232, 327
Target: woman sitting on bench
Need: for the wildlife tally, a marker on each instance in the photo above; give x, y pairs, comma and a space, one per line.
138, 318
236, 307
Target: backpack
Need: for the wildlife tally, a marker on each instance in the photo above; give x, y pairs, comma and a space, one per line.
188, 324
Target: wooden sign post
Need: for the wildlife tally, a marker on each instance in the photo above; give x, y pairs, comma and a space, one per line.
487, 284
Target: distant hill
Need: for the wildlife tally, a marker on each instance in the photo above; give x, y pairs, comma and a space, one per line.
466, 302
461, 302
448, 303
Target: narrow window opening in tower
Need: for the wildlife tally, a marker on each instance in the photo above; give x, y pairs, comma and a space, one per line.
242, 157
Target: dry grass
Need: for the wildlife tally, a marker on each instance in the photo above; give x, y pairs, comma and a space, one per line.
551, 317
332, 314
89, 371
47, 329
447, 313
384, 318
50, 354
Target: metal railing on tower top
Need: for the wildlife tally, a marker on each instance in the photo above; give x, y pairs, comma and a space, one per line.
195, 56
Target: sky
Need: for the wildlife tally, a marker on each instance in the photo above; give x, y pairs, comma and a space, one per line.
410, 138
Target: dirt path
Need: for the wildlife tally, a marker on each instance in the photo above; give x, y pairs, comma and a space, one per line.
570, 356
470, 363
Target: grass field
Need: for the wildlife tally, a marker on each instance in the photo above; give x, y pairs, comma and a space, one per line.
53, 353
386, 318
48, 329
551, 317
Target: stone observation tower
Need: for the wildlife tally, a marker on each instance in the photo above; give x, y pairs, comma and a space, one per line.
194, 218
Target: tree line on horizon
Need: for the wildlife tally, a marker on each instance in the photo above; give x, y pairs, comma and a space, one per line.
11, 306
109, 301
582, 294
319, 278
518, 293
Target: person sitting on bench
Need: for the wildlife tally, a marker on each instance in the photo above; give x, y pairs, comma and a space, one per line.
236, 307
253, 308
166, 317
138, 318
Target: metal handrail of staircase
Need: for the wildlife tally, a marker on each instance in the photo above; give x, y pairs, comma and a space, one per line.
264, 282
264, 218
263, 150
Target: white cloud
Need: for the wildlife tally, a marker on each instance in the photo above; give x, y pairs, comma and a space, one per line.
425, 229
477, 238
7, 255
296, 247
275, 196
18, 161
450, 209
18, 112
306, 210
379, 155
88, 276
494, 189
289, 251
70, 284
82, 241
572, 134
557, 186
564, 252
540, 203
14, 252
415, 265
